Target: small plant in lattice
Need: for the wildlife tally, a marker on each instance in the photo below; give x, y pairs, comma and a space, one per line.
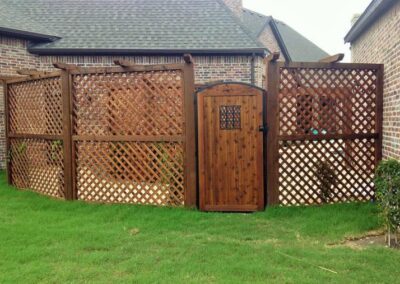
327, 179
387, 182
55, 148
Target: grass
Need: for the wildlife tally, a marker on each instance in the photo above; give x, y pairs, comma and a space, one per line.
50, 241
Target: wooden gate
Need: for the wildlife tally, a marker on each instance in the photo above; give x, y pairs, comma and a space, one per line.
230, 138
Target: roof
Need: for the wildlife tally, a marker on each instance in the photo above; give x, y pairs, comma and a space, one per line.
254, 21
131, 26
295, 47
375, 9
299, 47
14, 22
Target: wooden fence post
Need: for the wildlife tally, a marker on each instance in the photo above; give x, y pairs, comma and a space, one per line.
7, 129
67, 134
190, 135
379, 115
272, 151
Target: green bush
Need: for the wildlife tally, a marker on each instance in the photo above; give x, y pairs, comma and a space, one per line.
327, 180
387, 184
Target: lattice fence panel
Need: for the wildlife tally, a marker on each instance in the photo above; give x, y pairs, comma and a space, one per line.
340, 103
128, 115
327, 101
35, 107
132, 103
300, 176
130, 172
38, 165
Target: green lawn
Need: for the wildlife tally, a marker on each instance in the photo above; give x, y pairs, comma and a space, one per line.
50, 241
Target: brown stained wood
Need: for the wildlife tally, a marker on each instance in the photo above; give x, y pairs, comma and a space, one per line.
190, 136
188, 58
34, 130
7, 130
67, 134
230, 160
379, 115
129, 134
333, 59
135, 68
65, 66
93, 134
272, 119
300, 137
273, 57
124, 63
36, 136
33, 72
330, 115
130, 138
39, 76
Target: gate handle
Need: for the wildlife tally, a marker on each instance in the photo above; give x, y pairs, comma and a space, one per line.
263, 128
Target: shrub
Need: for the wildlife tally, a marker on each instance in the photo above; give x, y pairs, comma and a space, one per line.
387, 182
327, 180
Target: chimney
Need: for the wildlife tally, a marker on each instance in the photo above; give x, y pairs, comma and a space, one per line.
355, 18
236, 6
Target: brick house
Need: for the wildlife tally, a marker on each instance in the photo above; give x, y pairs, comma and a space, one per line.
375, 38
227, 41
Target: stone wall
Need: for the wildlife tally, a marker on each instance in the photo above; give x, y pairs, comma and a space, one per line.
381, 44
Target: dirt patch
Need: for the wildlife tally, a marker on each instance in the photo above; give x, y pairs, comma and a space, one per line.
374, 238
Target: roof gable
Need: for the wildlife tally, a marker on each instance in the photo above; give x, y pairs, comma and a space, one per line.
136, 25
299, 47
295, 47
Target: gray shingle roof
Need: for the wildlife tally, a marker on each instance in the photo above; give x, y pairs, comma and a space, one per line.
254, 21
129, 25
14, 21
298, 47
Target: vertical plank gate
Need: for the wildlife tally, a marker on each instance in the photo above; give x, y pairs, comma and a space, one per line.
230, 141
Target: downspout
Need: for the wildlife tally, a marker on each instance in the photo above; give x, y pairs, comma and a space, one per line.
253, 69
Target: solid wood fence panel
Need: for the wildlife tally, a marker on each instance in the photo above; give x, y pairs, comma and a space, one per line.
34, 135
328, 131
129, 136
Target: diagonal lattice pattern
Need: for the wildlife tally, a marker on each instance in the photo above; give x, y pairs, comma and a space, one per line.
35, 107
38, 165
130, 172
327, 101
132, 103
338, 102
353, 163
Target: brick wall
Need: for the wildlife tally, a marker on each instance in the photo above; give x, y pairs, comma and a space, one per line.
267, 38
14, 56
381, 44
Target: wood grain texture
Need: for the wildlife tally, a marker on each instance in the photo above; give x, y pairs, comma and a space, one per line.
230, 160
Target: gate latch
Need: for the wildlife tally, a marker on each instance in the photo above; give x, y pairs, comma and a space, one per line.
263, 128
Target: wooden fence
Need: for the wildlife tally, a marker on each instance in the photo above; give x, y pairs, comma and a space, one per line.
118, 135
325, 137
127, 134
